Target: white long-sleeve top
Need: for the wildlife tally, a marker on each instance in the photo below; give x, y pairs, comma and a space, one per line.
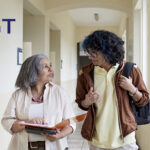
38, 108
57, 107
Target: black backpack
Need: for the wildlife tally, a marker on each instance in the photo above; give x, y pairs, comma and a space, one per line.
141, 114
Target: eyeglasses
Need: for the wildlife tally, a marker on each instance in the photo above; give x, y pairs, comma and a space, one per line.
93, 54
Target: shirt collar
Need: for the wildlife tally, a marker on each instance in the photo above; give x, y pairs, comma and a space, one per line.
98, 68
49, 84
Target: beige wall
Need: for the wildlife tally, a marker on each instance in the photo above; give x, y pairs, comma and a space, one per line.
40, 4
36, 30
35, 6
68, 45
55, 54
82, 32
143, 137
68, 51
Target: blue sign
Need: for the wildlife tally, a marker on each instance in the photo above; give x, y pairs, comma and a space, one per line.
19, 56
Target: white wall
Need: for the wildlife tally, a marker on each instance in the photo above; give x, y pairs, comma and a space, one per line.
145, 41
123, 25
141, 37
137, 47
148, 46
8, 57
123, 32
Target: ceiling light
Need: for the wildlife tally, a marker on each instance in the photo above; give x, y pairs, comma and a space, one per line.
96, 16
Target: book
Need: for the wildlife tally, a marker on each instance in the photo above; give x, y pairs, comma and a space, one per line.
45, 128
38, 128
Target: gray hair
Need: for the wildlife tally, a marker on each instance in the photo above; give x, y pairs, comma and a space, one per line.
29, 72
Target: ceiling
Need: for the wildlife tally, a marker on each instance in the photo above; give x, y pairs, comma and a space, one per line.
85, 17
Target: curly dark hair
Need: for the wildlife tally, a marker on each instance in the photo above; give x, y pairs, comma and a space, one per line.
106, 42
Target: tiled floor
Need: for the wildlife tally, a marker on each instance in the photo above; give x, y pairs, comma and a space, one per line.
75, 140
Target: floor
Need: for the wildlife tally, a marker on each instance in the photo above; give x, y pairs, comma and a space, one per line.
75, 140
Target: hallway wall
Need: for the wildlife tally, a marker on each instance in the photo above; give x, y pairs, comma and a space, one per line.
69, 36
36, 30
82, 32
55, 54
148, 41
8, 56
68, 51
68, 46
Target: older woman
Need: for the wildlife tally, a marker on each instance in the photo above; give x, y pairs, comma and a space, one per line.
37, 100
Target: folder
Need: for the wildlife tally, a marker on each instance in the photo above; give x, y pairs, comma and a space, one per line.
44, 128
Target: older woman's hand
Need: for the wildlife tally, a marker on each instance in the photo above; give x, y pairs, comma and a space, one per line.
16, 127
60, 134
37, 121
54, 137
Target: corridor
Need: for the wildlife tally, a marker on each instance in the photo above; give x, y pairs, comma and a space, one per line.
57, 28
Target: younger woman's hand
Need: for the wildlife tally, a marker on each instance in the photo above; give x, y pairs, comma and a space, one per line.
126, 84
90, 98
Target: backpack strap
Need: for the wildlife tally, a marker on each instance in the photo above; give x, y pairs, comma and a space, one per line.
127, 69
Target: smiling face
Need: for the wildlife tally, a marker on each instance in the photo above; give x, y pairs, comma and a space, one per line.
46, 73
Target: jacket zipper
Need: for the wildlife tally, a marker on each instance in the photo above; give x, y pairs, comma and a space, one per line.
118, 111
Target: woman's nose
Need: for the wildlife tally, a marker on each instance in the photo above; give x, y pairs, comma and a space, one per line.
50, 69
